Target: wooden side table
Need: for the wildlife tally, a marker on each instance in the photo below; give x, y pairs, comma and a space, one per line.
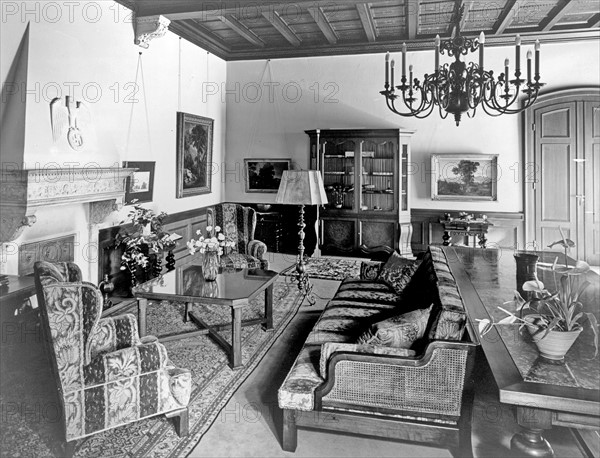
476, 228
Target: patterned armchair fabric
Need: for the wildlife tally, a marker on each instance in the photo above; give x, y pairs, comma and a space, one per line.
106, 376
238, 224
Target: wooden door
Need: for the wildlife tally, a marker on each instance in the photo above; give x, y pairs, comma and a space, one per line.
591, 165
555, 147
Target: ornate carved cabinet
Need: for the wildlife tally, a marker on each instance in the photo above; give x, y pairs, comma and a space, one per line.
366, 176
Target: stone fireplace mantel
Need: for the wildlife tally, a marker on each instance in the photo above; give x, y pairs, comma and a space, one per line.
25, 191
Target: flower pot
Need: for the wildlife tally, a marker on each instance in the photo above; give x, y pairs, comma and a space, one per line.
526, 269
555, 344
210, 265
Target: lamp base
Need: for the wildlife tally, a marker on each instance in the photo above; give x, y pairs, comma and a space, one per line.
301, 275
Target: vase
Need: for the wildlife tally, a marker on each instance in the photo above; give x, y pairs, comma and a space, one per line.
555, 344
210, 265
526, 270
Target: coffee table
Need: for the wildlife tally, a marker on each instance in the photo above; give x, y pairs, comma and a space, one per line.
545, 393
232, 288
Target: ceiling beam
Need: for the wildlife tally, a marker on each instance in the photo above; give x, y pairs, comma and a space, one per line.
198, 35
468, 4
556, 14
412, 18
282, 27
594, 21
207, 10
323, 24
506, 17
233, 23
366, 17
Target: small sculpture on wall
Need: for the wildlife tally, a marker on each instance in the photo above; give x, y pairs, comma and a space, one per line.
72, 117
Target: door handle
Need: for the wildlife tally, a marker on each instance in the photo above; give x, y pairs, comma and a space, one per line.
580, 199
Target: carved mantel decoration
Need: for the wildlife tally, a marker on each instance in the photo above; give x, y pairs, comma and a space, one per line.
148, 28
25, 191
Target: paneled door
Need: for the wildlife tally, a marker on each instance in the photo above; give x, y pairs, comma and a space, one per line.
562, 172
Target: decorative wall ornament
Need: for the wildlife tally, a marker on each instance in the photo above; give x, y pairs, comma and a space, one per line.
149, 27
72, 117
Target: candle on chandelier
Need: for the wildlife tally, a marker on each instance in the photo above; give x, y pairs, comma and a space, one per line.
518, 54
528, 67
393, 65
506, 62
403, 59
537, 59
410, 74
387, 69
481, 43
437, 52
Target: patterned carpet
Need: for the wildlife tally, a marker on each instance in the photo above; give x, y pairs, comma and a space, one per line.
29, 424
329, 268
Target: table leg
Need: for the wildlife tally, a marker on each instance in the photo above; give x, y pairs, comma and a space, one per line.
142, 305
268, 309
236, 337
188, 309
446, 238
530, 441
482, 240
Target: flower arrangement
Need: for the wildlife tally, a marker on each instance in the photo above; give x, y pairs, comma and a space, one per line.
213, 242
544, 312
144, 241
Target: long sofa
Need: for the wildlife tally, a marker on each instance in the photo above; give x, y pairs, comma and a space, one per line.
421, 394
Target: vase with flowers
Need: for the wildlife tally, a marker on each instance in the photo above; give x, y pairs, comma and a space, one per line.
212, 246
554, 319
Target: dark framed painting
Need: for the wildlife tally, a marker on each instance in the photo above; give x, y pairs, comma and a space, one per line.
194, 154
264, 175
464, 177
140, 185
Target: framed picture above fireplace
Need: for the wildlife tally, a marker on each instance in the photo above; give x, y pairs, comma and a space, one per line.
264, 175
140, 186
194, 154
464, 177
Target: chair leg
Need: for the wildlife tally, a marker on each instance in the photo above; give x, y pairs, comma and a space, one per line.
181, 418
68, 449
465, 446
289, 440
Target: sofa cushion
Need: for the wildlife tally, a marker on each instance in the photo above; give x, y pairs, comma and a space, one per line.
399, 331
397, 272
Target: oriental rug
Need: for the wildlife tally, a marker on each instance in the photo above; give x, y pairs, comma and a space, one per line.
329, 268
30, 423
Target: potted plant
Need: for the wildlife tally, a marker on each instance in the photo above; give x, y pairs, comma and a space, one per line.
143, 244
554, 320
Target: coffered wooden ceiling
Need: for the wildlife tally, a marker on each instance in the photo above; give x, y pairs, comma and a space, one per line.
237, 30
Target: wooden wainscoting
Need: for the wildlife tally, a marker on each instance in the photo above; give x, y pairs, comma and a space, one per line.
508, 230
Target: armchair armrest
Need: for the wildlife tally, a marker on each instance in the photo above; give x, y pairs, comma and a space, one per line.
114, 333
257, 249
431, 385
370, 270
126, 363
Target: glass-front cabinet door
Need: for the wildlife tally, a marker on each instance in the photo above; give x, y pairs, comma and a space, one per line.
379, 182
338, 166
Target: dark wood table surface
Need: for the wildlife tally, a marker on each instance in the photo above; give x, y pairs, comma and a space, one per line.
545, 393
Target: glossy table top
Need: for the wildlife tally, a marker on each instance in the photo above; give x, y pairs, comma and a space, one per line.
187, 283
493, 274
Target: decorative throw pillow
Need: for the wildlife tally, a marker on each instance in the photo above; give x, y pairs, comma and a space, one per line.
399, 331
397, 272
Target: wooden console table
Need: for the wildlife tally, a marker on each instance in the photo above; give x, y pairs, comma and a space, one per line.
475, 228
545, 393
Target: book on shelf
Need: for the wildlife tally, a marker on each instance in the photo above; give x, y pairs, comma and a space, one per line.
368, 154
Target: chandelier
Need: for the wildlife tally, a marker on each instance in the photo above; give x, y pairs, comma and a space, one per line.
459, 87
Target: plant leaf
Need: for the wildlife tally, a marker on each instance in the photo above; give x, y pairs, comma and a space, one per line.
533, 285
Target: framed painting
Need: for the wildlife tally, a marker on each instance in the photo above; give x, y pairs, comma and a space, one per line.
194, 154
140, 185
464, 177
264, 175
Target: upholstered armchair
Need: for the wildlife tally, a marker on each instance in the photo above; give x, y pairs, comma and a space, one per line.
106, 376
238, 224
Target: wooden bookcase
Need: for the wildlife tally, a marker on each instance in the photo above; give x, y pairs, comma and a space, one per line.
366, 176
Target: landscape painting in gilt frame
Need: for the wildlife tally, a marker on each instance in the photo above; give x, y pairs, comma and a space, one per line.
194, 154
264, 175
140, 185
464, 177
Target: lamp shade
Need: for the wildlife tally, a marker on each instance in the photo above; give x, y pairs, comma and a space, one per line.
301, 187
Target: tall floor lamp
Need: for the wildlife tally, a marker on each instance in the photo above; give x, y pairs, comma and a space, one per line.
302, 187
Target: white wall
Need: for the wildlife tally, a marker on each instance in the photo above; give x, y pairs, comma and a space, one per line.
275, 128
91, 43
